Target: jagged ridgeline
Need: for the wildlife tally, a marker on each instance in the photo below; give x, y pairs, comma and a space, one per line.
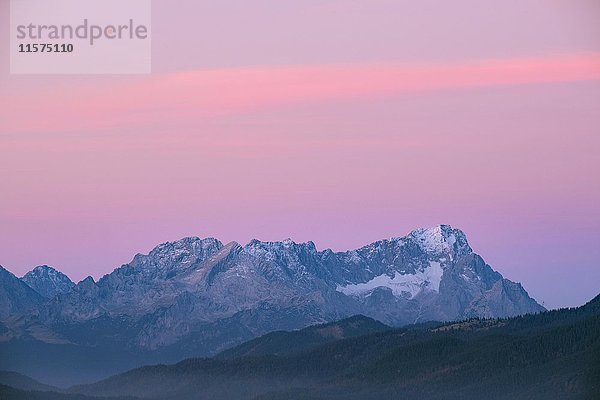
196, 297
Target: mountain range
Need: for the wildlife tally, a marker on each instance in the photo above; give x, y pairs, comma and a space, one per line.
553, 355
198, 297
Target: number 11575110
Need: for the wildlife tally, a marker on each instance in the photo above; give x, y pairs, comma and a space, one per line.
45, 48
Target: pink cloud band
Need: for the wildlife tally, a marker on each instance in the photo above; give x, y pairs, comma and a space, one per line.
194, 95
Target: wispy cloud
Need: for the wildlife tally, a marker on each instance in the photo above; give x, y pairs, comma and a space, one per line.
197, 95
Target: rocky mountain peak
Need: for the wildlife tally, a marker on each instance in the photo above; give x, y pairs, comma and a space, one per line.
169, 259
189, 245
441, 239
257, 247
47, 281
86, 283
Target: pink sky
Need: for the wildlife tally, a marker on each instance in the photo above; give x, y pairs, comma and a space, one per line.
341, 122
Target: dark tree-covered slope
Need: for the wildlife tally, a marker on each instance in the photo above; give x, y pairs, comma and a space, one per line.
551, 355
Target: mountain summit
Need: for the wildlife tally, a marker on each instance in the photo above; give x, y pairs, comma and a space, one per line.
47, 281
441, 239
199, 296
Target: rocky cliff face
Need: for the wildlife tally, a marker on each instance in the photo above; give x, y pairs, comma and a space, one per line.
16, 298
203, 295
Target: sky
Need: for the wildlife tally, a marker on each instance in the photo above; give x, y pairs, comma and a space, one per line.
340, 122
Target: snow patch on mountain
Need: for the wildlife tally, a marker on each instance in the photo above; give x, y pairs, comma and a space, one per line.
402, 285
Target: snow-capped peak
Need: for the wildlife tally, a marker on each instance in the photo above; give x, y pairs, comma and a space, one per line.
441, 239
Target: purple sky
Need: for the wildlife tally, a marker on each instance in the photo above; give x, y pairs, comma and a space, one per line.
341, 122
